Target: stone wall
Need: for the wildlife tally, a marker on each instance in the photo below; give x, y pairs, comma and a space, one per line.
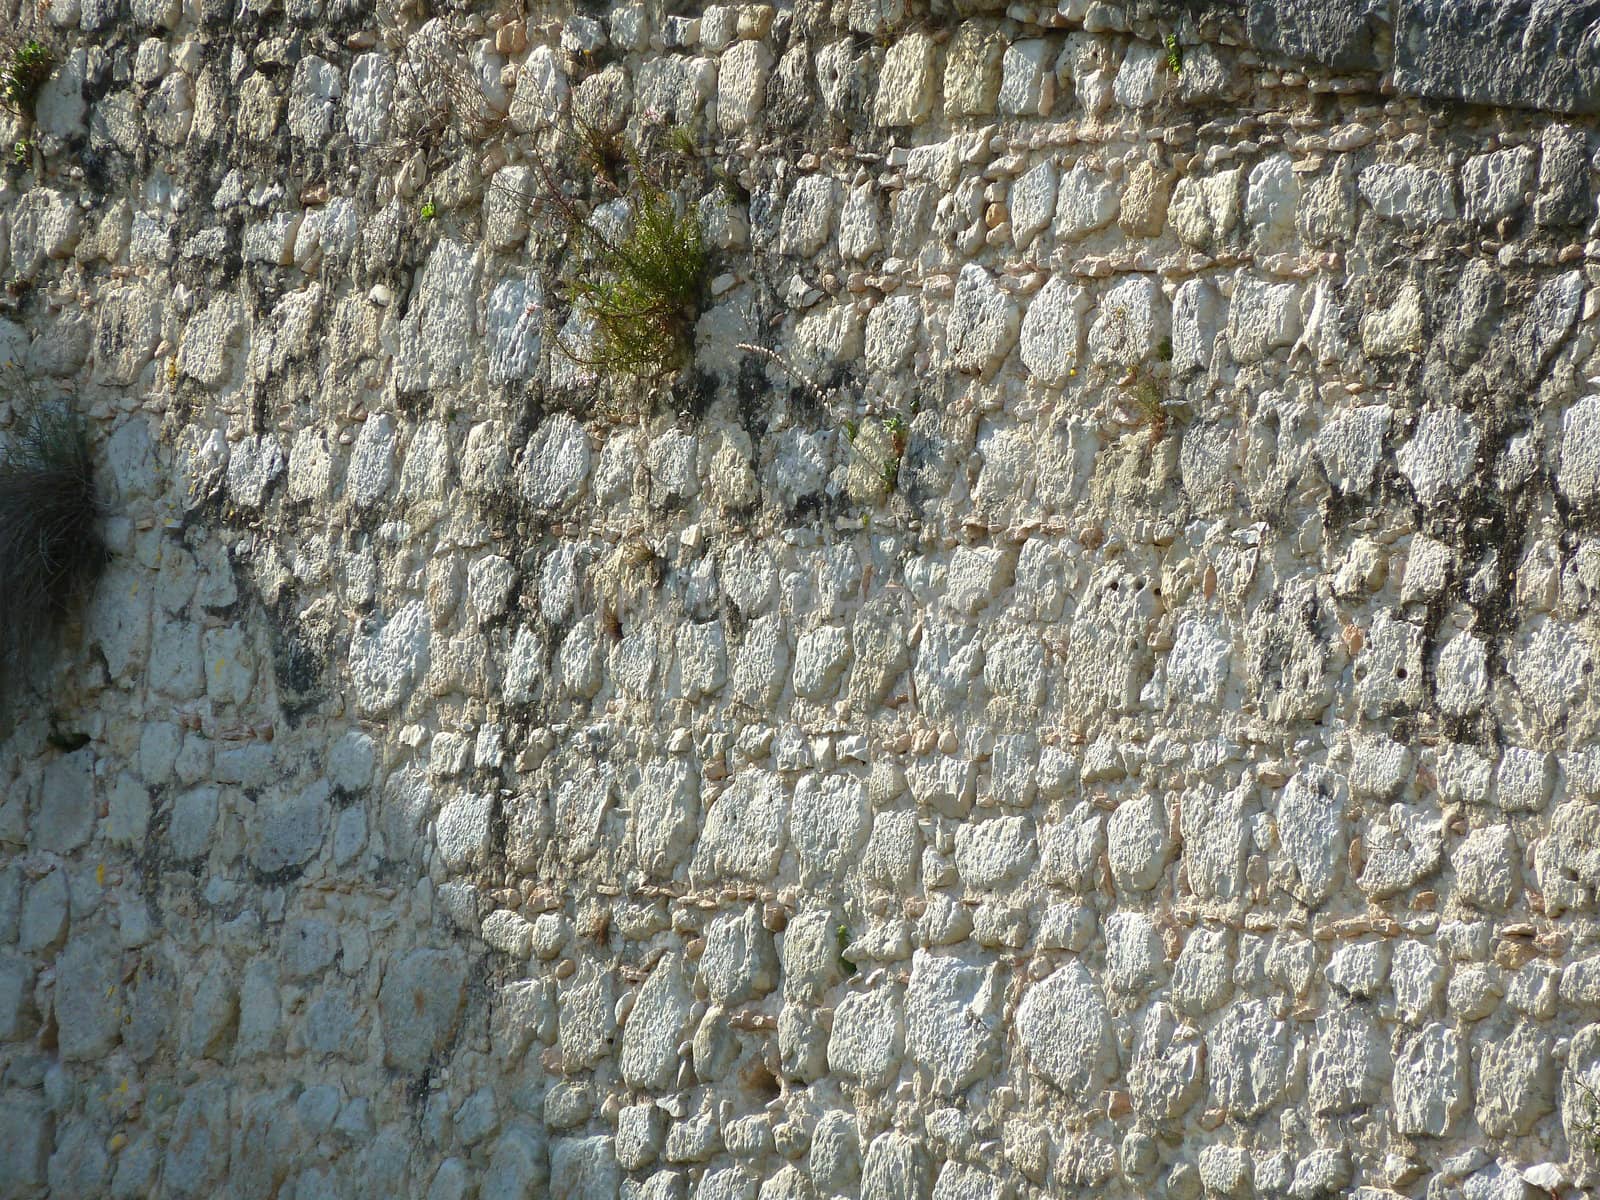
1106, 710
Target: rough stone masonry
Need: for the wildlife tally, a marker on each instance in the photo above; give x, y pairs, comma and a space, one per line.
1107, 710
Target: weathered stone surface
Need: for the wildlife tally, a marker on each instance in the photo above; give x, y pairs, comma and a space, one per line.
1489, 53
1251, 1054
1349, 1063
584, 1167
952, 1020
983, 323
868, 1037
1064, 1030
906, 82
1138, 843
1336, 34
829, 824
656, 1026
419, 1006
1514, 1081
743, 836
1431, 1088
87, 998
289, 831
1312, 833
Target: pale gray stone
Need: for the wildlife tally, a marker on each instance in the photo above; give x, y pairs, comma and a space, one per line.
1202, 978
288, 831
1134, 319
983, 322
419, 1006
1270, 201
739, 962
743, 836
990, 854
742, 84
585, 1167
1349, 1063
1027, 85
1441, 455
906, 81
1417, 197
439, 332
27, 1129
1312, 833
372, 461
1515, 1080
1487, 867
1197, 319
1138, 843
1431, 1089
555, 463
1167, 1074
1497, 184
1032, 203
829, 823
88, 995
808, 216
1262, 317
1358, 970
1135, 956
1525, 780
1250, 1060
1578, 476
656, 1025
1086, 200
1052, 330
254, 463
1063, 1027
387, 659
896, 1168
66, 808
868, 1037
1073, 848
952, 1019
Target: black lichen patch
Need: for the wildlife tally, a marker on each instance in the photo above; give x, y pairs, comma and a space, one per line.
50, 547
299, 660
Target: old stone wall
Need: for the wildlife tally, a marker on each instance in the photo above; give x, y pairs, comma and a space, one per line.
1102, 708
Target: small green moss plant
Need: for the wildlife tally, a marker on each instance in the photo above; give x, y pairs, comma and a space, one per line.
50, 548
429, 210
21, 152
1174, 53
26, 68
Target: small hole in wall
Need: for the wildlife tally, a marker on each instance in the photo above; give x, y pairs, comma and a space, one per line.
760, 1082
1400, 674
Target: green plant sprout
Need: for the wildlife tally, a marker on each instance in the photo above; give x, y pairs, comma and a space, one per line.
843, 934
1174, 53
23, 75
429, 210
647, 288
22, 151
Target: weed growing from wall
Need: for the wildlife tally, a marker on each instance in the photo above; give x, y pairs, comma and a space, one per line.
26, 66
642, 284
646, 287
50, 548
